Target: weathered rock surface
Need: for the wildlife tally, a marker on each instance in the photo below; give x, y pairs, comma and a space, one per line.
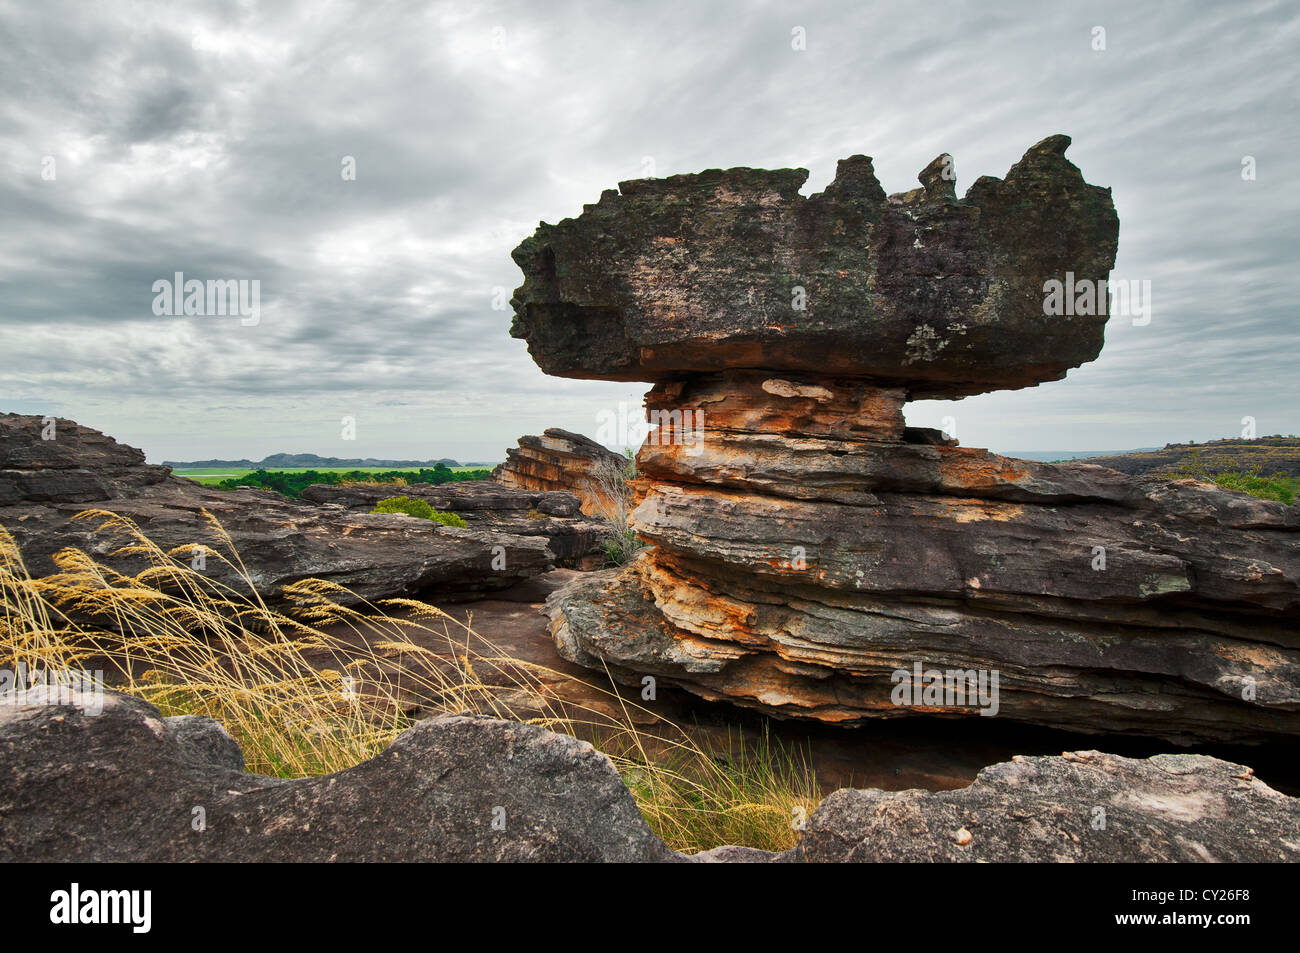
808, 545
205, 741
552, 515
44, 484
735, 269
129, 785
1081, 806
561, 460
119, 786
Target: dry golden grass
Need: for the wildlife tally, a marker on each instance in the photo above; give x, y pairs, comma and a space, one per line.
332, 681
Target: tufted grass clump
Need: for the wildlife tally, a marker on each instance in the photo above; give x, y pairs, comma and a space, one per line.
419, 508
331, 680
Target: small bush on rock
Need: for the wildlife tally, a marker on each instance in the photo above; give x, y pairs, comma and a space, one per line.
418, 508
620, 542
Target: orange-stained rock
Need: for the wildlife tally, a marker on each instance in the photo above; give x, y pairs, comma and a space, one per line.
811, 555
560, 460
806, 550
759, 402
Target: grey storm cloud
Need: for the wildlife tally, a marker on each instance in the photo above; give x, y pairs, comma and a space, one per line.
210, 139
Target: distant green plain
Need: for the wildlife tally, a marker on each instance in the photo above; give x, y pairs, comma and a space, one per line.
211, 476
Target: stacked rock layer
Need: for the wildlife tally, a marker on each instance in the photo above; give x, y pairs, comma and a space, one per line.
808, 547
55, 475
559, 460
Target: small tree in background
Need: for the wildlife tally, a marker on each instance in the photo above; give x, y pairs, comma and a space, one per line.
614, 484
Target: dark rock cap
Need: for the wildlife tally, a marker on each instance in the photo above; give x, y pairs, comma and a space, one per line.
735, 269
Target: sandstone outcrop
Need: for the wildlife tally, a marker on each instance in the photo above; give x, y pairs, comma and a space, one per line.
1082, 806
808, 546
45, 483
552, 515
561, 460
110, 779
735, 269
119, 786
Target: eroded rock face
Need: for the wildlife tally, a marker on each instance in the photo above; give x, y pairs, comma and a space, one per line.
809, 546
735, 269
1083, 806
109, 779
44, 484
122, 785
552, 515
560, 460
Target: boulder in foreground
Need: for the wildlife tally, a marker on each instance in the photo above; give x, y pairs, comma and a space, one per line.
90, 778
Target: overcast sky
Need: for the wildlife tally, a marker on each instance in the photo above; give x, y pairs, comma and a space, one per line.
138, 140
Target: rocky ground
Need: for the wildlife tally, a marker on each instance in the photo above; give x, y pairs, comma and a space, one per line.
45, 483
550, 515
927, 754
125, 784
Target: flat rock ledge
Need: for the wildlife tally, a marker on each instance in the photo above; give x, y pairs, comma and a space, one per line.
553, 516
91, 778
45, 483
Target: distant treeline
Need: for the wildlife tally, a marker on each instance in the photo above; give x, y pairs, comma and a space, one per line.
293, 483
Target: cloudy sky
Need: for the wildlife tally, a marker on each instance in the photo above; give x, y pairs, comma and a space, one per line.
138, 140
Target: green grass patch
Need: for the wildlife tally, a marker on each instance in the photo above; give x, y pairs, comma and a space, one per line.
1278, 487
419, 508
1283, 489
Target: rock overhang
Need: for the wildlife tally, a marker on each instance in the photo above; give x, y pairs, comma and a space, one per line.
734, 269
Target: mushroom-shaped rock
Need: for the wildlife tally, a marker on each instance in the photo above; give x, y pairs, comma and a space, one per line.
735, 269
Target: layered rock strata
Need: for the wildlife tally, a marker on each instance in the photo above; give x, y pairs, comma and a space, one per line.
812, 555
559, 460
45, 483
552, 515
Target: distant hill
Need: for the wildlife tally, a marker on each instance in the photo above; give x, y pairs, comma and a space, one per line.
292, 461
1271, 455
1057, 456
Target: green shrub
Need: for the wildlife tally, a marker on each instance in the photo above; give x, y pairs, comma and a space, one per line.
418, 508
1280, 488
448, 519
405, 504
